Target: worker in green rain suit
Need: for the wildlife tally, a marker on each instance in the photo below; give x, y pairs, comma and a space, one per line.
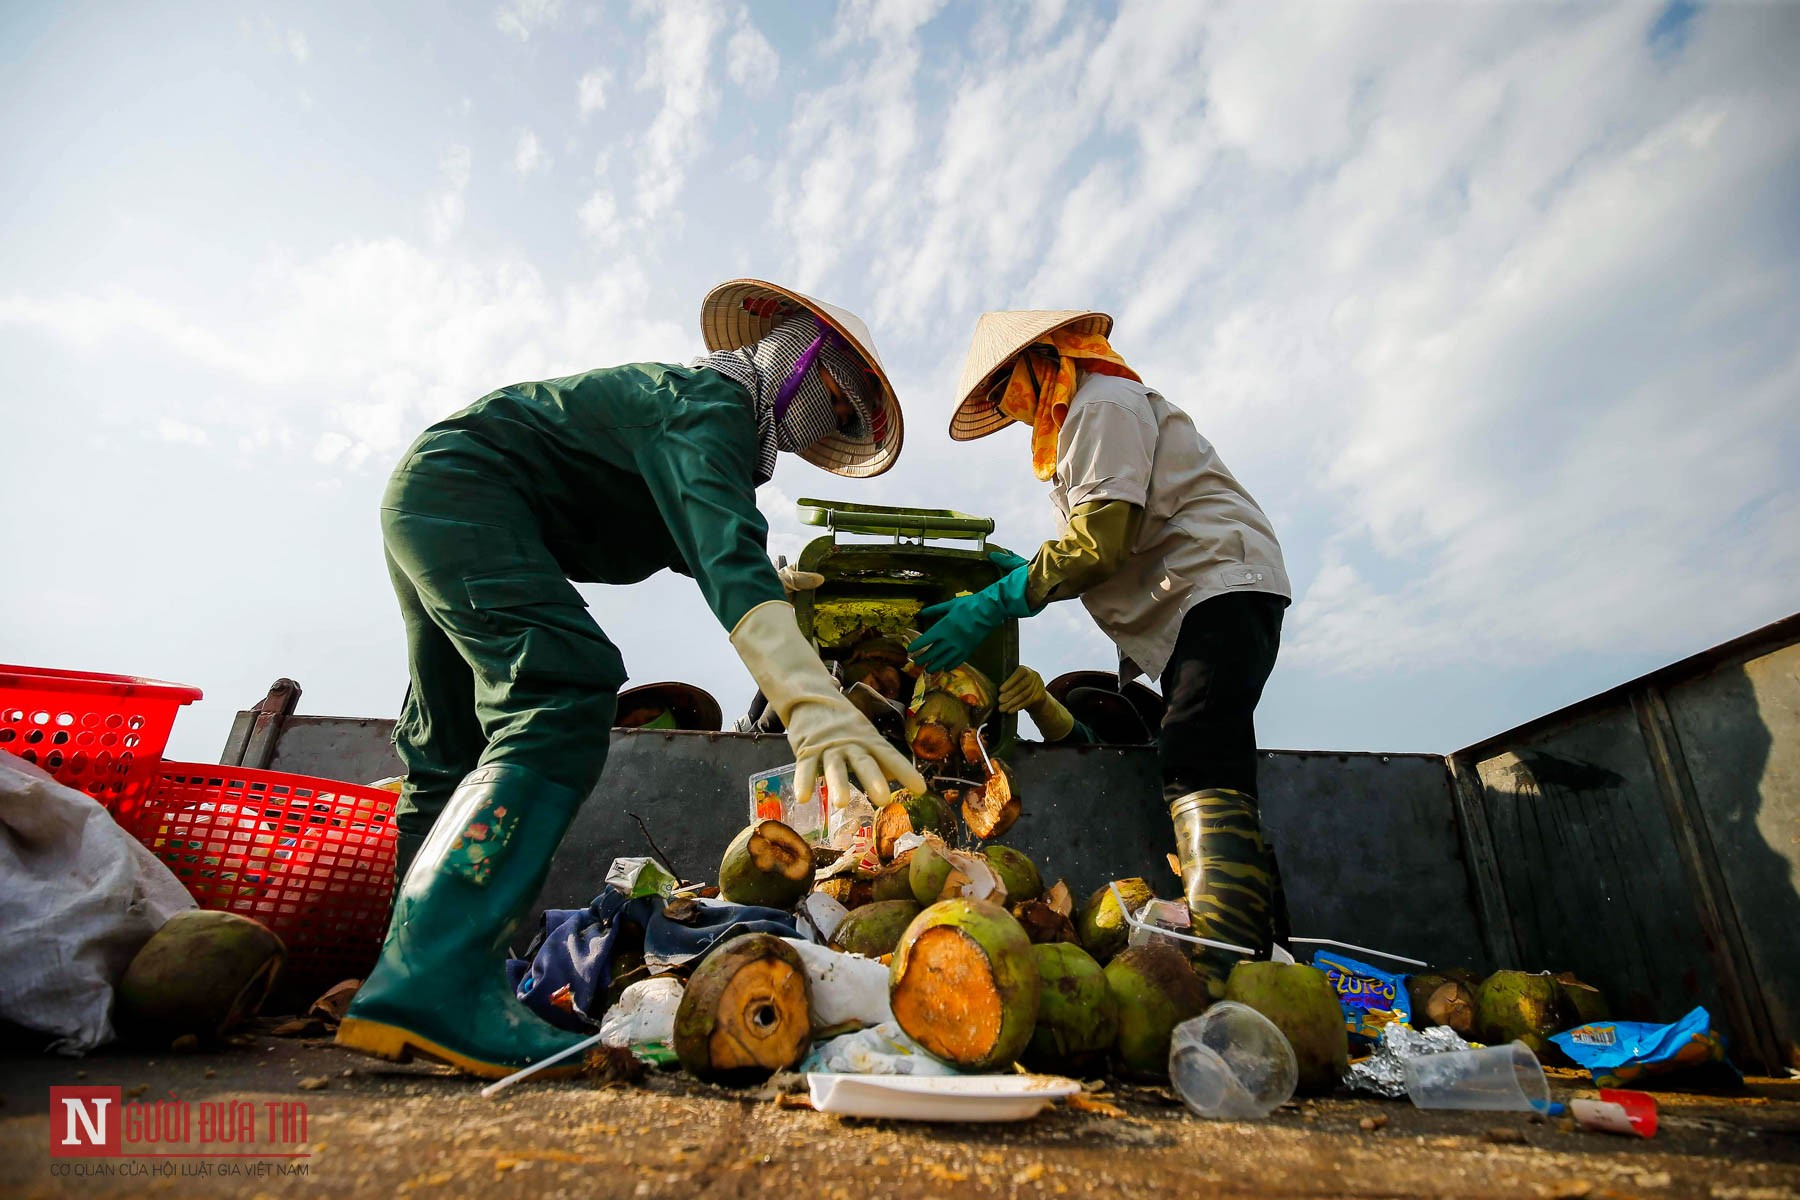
1174, 561
608, 477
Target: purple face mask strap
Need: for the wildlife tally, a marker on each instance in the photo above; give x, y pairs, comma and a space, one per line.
797, 376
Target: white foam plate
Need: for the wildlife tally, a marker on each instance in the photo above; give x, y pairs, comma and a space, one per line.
938, 1097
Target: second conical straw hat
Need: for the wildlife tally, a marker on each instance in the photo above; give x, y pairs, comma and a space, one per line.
999, 336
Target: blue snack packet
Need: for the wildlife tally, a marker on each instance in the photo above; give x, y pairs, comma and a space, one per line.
1371, 998
1622, 1053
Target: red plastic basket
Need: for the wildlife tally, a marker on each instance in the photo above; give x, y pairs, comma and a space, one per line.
99, 734
313, 859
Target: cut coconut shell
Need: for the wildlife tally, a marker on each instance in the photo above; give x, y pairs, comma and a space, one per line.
767, 864
1155, 989
935, 726
201, 973
874, 929
1437, 1000
972, 877
1078, 1018
1302, 1004
1017, 871
1518, 1006
746, 1011
1043, 924
964, 984
1102, 926
848, 891
990, 811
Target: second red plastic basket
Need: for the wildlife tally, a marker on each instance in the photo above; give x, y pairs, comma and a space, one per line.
313, 859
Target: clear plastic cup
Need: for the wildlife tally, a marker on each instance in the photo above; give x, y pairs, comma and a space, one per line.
1231, 1063
1491, 1079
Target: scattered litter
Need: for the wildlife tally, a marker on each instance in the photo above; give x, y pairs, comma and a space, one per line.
848, 992
637, 877
881, 1050
939, 1098
1617, 1111
1617, 1052
1502, 1135
1488, 1079
1082, 1102
314, 1083
1231, 1063
643, 1020
1384, 1072
1372, 999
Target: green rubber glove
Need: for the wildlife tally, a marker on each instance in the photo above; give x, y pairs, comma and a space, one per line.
960, 625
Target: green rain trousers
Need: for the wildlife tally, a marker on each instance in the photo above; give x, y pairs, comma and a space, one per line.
605, 477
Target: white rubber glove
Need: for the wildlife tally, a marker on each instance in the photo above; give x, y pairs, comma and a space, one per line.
824, 730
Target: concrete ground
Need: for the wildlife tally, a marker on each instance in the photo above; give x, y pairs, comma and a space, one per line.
375, 1130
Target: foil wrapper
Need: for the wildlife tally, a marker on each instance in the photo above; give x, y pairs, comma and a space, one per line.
1384, 1073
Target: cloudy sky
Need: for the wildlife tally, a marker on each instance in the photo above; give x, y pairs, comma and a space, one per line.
1494, 308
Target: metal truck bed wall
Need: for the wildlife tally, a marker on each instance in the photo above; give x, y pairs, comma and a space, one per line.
1647, 838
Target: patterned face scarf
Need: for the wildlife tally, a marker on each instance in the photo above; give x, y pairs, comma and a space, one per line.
1042, 383
781, 372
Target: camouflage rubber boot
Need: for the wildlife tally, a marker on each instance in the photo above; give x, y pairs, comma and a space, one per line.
1227, 876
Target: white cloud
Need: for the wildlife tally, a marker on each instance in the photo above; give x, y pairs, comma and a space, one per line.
180, 432
750, 60
522, 18
296, 46
599, 216
444, 213
678, 63
528, 155
590, 93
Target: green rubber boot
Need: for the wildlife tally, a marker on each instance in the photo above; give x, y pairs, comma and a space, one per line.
1227, 876
439, 990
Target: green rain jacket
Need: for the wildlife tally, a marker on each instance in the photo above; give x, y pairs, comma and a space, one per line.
626, 470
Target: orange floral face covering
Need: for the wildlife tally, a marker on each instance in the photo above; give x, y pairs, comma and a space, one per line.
1043, 382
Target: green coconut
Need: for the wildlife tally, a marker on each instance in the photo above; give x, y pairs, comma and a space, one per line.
894, 881
200, 974
1518, 1006
964, 984
1302, 1003
1155, 989
1078, 1018
767, 864
745, 1012
929, 870
874, 929
1019, 873
1102, 926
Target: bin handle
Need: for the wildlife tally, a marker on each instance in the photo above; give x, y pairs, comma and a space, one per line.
919, 526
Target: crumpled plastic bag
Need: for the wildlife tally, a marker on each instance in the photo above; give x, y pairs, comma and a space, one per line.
882, 1050
644, 1015
79, 897
1631, 1053
847, 990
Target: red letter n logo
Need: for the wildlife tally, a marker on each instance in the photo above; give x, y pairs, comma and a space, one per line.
84, 1122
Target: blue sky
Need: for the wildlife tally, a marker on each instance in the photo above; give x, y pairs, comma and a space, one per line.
1494, 308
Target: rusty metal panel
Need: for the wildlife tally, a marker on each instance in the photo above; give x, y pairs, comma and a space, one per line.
1587, 858
1739, 732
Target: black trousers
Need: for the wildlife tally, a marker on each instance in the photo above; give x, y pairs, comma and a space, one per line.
1211, 685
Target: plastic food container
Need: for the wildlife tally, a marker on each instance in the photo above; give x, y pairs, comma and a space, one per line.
1491, 1079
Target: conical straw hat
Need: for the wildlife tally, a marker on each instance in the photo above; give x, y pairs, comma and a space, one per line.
998, 337
739, 312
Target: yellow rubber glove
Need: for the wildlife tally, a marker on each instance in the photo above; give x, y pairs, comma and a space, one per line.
793, 580
1024, 692
826, 733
